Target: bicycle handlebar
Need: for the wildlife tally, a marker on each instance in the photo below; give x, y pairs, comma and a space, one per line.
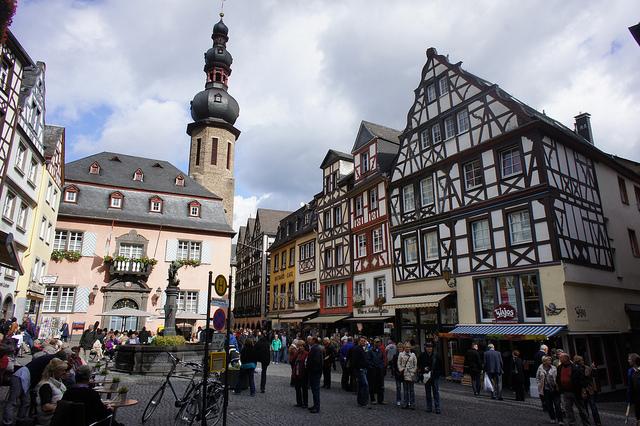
190, 364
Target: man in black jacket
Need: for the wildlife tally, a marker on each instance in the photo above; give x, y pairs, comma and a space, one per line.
314, 367
473, 362
263, 355
328, 361
359, 366
429, 365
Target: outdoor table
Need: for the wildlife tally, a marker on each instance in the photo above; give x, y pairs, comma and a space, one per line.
119, 404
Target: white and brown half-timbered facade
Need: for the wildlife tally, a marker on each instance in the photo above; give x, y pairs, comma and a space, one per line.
334, 235
500, 199
373, 153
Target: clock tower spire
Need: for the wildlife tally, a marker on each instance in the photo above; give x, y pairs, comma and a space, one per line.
214, 112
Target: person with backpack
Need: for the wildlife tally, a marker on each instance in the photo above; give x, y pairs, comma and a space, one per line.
591, 388
633, 384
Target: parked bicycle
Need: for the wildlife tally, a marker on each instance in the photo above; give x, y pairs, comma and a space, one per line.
155, 400
191, 412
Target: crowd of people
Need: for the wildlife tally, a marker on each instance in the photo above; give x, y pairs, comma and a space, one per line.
565, 384
58, 372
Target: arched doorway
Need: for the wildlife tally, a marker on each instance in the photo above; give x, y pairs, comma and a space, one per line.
7, 307
121, 323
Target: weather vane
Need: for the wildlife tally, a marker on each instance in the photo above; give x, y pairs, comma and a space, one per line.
221, 8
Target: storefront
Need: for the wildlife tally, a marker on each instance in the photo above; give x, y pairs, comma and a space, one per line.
419, 319
372, 321
506, 338
327, 325
292, 322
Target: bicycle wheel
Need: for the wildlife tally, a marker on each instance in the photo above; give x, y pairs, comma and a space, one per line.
153, 403
188, 412
215, 403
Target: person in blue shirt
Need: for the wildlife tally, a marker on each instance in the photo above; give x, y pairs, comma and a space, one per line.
346, 383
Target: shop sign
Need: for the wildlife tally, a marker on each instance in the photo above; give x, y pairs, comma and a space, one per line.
504, 313
372, 310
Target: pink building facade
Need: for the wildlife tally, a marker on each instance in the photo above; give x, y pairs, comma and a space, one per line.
122, 221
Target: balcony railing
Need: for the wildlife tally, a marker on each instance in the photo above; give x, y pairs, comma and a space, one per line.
129, 267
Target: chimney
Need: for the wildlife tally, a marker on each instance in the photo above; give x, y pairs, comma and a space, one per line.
583, 126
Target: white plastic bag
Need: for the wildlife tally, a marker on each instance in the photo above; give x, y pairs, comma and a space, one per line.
488, 386
426, 376
258, 370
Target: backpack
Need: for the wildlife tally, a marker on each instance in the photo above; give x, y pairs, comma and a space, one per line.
635, 384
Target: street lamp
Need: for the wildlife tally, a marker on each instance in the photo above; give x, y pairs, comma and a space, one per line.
448, 277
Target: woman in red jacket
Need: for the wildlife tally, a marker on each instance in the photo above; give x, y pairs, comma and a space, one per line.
300, 377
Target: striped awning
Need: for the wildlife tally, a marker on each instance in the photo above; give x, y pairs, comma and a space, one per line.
518, 330
410, 302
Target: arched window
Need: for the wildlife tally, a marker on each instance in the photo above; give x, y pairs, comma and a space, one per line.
123, 322
218, 77
217, 98
194, 209
155, 204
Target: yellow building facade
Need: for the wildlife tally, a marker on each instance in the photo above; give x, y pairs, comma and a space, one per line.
30, 287
283, 277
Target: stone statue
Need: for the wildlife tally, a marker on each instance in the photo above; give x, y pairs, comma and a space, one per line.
173, 272
170, 306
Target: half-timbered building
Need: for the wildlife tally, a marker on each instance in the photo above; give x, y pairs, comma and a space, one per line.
500, 200
334, 241
254, 273
373, 152
294, 277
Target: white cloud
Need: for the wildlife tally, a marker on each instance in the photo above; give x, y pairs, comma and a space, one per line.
245, 207
306, 73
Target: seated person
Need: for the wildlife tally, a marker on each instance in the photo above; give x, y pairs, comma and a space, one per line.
82, 392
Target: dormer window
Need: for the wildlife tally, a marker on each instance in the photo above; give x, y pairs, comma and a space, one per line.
94, 169
138, 175
71, 194
115, 200
194, 209
217, 97
155, 205
179, 180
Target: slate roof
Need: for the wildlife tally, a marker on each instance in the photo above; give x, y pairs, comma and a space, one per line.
333, 156
629, 164
93, 202
270, 219
29, 77
251, 224
369, 130
241, 233
297, 216
159, 175
52, 134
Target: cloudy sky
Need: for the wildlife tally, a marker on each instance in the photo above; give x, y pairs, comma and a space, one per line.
121, 74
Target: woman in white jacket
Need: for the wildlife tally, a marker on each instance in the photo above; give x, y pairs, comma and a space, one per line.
408, 366
548, 388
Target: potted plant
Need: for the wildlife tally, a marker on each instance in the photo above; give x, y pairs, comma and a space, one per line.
115, 383
122, 393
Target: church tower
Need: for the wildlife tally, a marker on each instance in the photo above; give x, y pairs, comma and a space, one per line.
213, 135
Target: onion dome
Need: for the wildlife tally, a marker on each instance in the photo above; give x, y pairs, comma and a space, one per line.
214, 102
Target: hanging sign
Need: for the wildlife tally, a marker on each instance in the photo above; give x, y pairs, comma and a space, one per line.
219, 320
220, 285
505, 313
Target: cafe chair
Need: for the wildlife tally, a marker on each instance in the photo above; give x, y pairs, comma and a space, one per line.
72, 414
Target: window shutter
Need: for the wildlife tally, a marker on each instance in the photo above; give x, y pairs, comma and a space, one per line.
202, 302
81, 302
89, 241
205, 258
171, 251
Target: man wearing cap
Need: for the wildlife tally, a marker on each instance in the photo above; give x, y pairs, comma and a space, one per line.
493, 368
429, 367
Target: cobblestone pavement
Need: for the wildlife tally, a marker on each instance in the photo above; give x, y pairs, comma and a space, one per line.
276, 406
